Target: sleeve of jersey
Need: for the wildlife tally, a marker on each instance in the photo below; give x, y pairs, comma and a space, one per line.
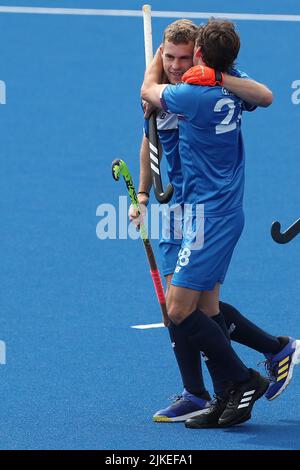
177, 99
238, 73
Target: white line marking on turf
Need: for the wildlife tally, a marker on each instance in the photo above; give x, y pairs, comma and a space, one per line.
69, 11
148, 327
157, 14
233, 16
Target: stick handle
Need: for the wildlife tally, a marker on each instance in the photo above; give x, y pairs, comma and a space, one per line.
158, 286
147, 34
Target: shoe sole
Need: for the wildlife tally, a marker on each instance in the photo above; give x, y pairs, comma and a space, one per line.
217, 425
295, 361
235, 423
177, 419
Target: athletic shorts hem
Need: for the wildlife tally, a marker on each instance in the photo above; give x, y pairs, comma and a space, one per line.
200, 287
167, 272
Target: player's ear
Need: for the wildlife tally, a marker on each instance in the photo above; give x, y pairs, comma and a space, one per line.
161, 48
197, 52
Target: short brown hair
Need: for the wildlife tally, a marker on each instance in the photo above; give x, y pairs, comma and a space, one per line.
181, 32
220, 44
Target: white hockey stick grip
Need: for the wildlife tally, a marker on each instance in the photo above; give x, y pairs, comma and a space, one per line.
147, 34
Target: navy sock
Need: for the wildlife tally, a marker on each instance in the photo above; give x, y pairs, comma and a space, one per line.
220, 383
222, 324
207, 336
189, 363
244, 332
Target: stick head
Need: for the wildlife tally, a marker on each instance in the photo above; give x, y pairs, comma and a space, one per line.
275, 232
288, 235
116, 169
164, 197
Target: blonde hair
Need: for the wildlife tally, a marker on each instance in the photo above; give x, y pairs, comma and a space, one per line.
181, 32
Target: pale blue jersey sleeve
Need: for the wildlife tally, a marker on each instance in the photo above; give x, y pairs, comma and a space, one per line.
239, 74
178, 99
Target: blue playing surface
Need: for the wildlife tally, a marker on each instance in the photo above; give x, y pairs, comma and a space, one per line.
77, 375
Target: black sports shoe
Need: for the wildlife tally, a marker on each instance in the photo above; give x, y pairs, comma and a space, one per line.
242, 398
209, 418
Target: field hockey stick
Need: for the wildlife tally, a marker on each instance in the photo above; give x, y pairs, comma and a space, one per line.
288, 235
119, 167
155, 150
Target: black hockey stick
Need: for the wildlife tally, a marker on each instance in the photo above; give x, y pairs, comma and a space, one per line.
155, 157
288, 235
154, 145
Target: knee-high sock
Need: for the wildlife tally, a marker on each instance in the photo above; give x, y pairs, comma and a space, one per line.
220, 383
207, 336
189, 362
245, 332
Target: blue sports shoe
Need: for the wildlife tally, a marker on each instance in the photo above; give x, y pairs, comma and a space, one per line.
184, 407
280, 367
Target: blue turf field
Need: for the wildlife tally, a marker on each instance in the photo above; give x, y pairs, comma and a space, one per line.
77, 376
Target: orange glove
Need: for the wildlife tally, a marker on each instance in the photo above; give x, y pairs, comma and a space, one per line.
202, 75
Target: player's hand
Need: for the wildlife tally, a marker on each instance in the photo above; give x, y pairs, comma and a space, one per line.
137, 216
202, 75
148, 109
